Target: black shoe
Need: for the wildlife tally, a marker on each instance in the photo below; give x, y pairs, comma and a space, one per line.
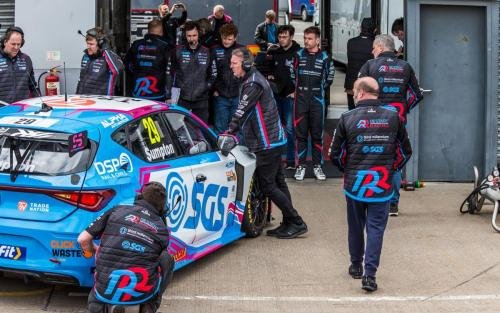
290, 166
393, 209
275, 231
368, 283
292, 230
356, 271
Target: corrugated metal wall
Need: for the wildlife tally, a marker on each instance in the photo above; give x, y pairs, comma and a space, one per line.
6, 15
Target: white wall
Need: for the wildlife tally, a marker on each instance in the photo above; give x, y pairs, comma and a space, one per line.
51, 25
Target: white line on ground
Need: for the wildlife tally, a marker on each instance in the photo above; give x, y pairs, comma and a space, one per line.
336, 299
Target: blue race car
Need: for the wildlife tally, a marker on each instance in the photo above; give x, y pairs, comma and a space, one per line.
64, 163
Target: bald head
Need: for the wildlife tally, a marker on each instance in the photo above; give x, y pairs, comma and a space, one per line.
365, 88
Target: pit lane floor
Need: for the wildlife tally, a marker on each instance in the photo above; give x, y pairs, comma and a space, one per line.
433, 260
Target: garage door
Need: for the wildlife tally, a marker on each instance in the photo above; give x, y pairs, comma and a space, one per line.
6, 15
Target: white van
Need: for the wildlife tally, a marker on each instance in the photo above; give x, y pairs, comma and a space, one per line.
346, 17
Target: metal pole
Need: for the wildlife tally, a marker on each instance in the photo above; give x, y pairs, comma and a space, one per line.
326, 37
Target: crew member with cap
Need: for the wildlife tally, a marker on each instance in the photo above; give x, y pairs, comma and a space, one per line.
17, 79
131, 250
101, 67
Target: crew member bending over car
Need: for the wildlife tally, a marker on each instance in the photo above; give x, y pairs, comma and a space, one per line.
257, 116
100, 68
132, 262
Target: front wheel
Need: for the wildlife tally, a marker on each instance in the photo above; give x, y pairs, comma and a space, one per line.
303, 15
256, 209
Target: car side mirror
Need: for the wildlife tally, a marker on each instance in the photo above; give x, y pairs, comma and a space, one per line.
226, 143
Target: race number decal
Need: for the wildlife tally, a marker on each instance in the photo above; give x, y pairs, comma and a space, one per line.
150, 126
28, 121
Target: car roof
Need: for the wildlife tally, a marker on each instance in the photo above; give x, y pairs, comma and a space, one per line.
98, 111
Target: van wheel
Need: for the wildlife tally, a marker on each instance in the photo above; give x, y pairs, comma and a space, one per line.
303, 15
256, 208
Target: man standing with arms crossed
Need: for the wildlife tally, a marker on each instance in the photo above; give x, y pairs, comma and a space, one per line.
398, 88
257, 116
369, 143
314, 72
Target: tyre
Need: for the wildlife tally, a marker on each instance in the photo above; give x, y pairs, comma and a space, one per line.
256, 209
303, 15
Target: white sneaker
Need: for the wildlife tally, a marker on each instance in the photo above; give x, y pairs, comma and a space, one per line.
300, 172
318, 172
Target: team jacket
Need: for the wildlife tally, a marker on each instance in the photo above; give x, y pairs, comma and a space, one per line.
193, 71
132, 239
226, 84
282, 68
313, 74
397, 82
260, 35
99, 74
369, 143
17, 81
146, 61
257, 114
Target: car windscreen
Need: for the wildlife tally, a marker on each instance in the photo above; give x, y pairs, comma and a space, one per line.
41, 153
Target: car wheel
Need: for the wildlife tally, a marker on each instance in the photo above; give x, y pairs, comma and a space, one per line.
256, 209
303, 15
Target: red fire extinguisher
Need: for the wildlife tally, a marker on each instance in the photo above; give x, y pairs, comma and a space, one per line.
52, 85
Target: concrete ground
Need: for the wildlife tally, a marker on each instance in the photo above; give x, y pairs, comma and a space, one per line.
434, 260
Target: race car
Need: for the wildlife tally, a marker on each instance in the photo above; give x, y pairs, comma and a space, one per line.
63, 163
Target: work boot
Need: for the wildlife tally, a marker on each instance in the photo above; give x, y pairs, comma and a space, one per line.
393, 209
356, 270
300, 172
274, 232
293, 229
368, 283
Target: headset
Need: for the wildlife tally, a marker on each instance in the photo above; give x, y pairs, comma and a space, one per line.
247, 62
98, 35
8, 33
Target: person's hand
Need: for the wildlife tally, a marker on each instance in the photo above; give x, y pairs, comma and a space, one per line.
216, 94
173, 8
162, 9
292, 95
270, 77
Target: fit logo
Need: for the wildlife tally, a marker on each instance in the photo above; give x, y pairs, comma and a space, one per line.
371, 182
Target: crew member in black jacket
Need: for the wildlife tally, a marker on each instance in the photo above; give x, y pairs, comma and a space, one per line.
369, 144
398, 88
133, 248
170, 23
281, 75
101, 67
146, 62
192, 69
226, 87
359, 50
266, 33
257, 117
17, 80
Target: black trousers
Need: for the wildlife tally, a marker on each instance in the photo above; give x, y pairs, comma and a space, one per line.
199, 108
350, 102
167, 268
309, 120
272, 180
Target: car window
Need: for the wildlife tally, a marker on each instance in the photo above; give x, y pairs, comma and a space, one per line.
192, 136
147, 138
44, 154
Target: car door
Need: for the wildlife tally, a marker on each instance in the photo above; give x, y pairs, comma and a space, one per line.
149, 139
214, 188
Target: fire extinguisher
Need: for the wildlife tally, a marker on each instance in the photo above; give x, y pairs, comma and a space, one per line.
52, 85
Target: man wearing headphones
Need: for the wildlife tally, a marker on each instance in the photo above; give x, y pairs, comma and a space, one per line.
100, 68
257, 116
133, 249
17, 80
